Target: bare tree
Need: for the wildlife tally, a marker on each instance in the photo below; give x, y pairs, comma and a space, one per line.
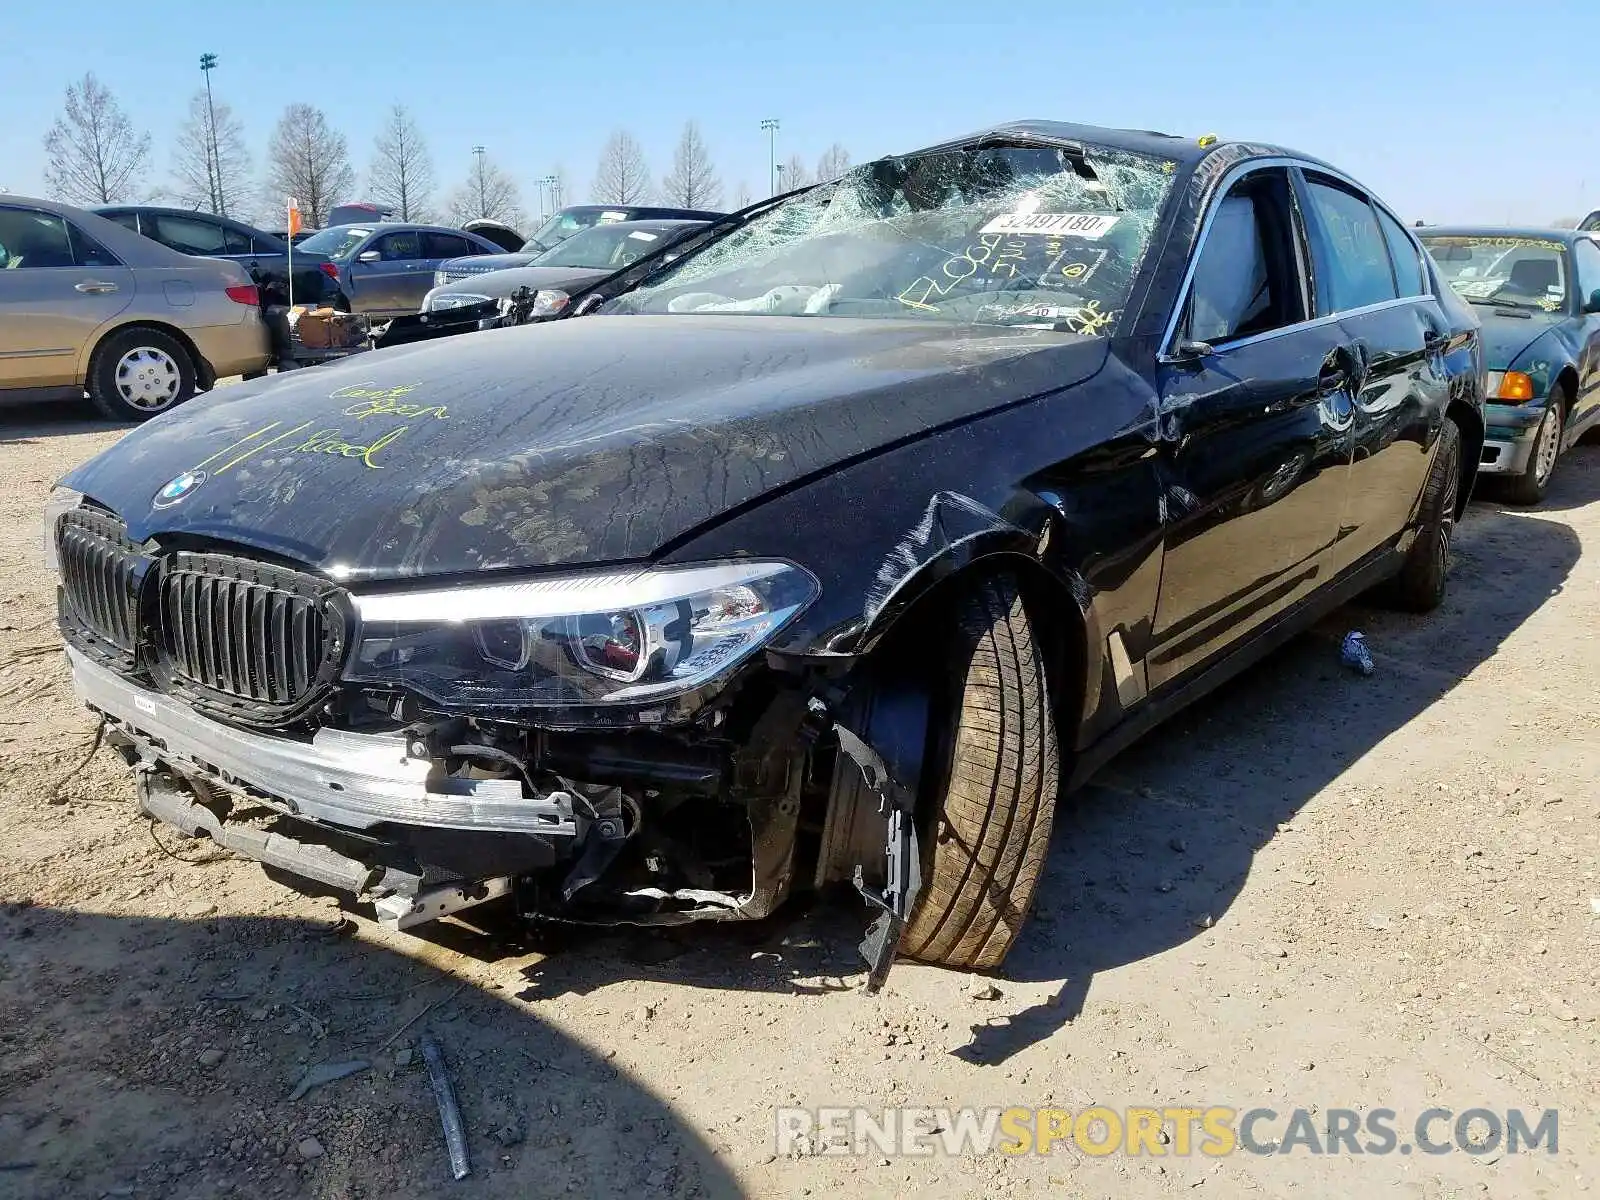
96, 156
223, 187
623, 176
835, 161
692, 182
488, 193
307, 159
794, 173
401, 174
741, 198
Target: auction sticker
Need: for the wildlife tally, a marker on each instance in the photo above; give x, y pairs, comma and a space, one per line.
1079, 225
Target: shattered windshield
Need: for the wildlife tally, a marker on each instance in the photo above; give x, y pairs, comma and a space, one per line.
1011, 235
1505, 272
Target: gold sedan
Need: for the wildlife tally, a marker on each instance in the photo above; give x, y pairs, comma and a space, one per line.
89, 306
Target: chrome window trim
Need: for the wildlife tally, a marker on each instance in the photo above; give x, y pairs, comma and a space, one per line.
1219, 192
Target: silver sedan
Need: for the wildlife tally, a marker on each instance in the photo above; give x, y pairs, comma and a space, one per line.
87, 305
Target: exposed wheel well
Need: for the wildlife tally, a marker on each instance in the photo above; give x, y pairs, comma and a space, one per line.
908, 656
1058, 628
1471, 425
205, 377
1568, 382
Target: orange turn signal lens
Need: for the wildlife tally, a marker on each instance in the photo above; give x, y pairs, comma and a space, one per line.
1516, 386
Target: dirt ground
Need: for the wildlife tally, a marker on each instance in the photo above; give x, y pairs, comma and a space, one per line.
1315, 890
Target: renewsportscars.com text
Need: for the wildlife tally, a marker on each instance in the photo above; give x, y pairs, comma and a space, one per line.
1213, 1131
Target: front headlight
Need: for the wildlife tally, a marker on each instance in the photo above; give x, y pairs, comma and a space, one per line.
602, 638
62, 500
436, 303
547, 302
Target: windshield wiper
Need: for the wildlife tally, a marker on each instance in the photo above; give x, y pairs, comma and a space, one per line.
1522, 309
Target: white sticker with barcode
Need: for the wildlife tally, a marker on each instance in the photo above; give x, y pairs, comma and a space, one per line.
1089, 226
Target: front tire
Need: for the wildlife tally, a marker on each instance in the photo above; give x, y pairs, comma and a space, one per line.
140, 373
989, 836
1420, 585
1531, 486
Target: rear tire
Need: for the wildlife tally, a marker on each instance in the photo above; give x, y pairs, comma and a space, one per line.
1534, 482
1420, 585
139, 373
987, 841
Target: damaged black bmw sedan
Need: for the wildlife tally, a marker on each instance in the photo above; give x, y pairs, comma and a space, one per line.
828, 553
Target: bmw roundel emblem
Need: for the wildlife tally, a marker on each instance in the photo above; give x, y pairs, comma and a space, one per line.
178, 488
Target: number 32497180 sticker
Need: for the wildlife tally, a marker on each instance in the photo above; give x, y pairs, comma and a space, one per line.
1079, 225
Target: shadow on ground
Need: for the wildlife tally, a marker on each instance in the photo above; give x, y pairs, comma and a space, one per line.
146, 1057
30, 424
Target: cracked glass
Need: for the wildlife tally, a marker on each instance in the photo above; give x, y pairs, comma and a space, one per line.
1024, 235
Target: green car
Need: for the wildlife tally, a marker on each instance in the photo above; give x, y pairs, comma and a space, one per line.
1537, 295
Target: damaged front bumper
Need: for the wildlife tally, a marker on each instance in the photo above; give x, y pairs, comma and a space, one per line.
377, 816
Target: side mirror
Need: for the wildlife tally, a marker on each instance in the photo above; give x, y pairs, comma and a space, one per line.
1593, 305
1190, 350
369, 256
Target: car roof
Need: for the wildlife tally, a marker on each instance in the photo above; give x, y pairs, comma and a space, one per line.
1513, 231
1186, 150
401, 227
163, 210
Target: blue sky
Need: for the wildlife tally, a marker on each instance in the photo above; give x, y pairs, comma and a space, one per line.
1448, 110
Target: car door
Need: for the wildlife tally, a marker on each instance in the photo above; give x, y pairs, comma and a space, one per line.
1586, 405
1370, 278
58, 288
388, 275
1255, 420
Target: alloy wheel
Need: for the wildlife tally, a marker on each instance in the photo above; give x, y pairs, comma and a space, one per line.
1548, 446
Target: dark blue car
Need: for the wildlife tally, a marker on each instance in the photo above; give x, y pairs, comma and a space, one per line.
1537, 294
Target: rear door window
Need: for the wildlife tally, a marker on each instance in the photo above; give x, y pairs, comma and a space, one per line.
235, 241
1404, 254
448, 245
1352, 257
88, 252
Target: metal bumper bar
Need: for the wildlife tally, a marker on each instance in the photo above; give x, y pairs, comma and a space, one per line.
356, 780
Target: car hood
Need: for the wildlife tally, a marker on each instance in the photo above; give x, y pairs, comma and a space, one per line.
496, 284
585, 441
1505, 339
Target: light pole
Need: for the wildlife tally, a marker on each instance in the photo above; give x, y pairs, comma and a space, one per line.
552, 184
483, 198
771, 127
219, 203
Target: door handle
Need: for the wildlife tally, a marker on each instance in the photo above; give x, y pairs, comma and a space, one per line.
94, 287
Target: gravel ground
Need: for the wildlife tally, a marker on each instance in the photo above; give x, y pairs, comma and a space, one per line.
1315, 890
